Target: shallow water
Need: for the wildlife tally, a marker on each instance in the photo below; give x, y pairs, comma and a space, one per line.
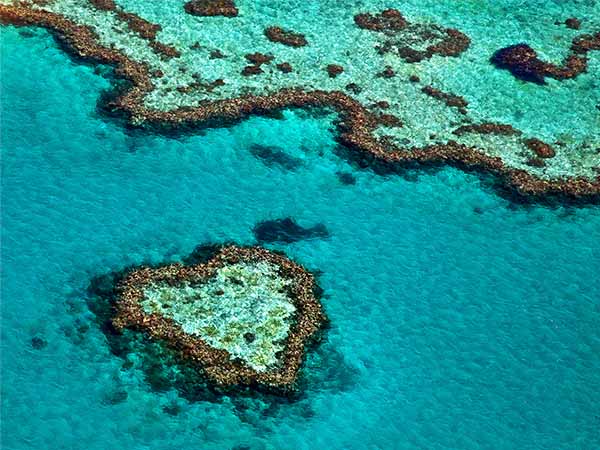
458, 319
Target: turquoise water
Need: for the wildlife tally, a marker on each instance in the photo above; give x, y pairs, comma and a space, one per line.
458, 320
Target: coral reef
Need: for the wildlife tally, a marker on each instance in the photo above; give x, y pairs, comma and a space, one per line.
454, 101
388, 72
413, 42
210, 8
256, 60
540, 148
162, 93
286, 37
285, 67
389, 20
522, 60
244, 316
573, 23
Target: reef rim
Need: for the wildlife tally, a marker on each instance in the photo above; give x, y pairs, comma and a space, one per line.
217, 364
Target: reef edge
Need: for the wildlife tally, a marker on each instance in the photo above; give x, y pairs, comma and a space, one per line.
355, 127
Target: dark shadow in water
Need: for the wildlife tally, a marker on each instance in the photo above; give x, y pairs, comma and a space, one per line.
325, 369
272, 155
287, 231
346, 178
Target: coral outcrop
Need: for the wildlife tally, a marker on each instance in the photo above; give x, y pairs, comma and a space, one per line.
285, 37
522, 61
211, 8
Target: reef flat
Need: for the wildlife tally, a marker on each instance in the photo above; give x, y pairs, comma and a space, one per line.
393, 110
244, 316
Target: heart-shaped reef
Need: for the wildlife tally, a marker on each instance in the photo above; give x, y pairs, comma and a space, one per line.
244, 316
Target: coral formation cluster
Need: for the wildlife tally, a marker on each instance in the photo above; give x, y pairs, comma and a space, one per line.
413, 42
167, 89
523, 62
245, 316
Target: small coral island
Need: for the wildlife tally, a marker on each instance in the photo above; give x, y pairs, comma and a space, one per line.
243, 317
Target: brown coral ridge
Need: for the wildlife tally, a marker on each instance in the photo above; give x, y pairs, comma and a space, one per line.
488, 128
285, 37
523, 63
217, 364
451, 100
211, 8
389, 20
355, 128
142, 27
406, 39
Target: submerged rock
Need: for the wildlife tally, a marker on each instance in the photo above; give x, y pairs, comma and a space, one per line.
346, 178
287, 231
38, 343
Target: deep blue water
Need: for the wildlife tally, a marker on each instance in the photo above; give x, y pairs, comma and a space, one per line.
458, 319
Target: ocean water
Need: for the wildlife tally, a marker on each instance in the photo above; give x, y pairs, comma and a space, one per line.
458, 319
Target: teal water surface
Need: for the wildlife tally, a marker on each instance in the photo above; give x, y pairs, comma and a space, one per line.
458, 320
